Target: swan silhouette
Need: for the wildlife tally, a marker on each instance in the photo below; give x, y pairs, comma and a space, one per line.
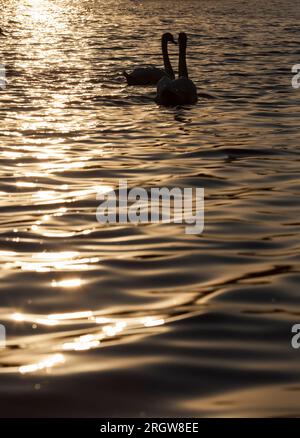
151, 75
181, 91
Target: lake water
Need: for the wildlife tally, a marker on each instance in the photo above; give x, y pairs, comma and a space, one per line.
125, 320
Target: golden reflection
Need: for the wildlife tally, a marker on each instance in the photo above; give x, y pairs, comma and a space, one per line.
71, 316
85, 342
152, 322
102, 320
25, 184
62, 167
50, 362
64, 194
8, 253
42, 11
11, 155
112, 330
82, 330
18, 317
58, 233
68, 283
105, 329
109, 327
42, 55
115, 328
46, 321
51, 261
61, 211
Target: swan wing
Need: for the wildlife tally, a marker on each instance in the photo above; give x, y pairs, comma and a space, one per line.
182, 91
145, 76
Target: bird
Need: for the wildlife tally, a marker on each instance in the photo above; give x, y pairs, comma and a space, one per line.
181, 91
151, 75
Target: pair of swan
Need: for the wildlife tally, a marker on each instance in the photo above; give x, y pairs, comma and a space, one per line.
170, 91
181, 91
152, 75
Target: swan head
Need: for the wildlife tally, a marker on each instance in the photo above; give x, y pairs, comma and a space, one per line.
182, 39
168, 38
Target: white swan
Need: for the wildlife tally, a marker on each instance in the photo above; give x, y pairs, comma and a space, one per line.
151, 75
181, 91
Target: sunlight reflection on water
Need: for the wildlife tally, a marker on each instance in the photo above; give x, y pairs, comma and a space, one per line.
189, 320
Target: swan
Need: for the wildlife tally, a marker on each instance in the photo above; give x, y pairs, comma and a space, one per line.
181, 91
151, 75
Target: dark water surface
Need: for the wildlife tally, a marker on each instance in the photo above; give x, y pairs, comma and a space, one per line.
149, 321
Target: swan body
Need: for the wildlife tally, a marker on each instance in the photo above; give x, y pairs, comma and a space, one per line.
152, 75
164, 82
144, 76
181, 91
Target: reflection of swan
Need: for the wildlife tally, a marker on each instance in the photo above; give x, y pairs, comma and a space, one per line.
181, 91
151, 75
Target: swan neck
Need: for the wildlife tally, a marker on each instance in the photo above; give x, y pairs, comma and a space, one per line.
182, 68
167, 63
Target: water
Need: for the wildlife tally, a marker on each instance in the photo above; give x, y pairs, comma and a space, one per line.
148, 321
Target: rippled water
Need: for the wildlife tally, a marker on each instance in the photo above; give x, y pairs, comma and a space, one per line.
126, 320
